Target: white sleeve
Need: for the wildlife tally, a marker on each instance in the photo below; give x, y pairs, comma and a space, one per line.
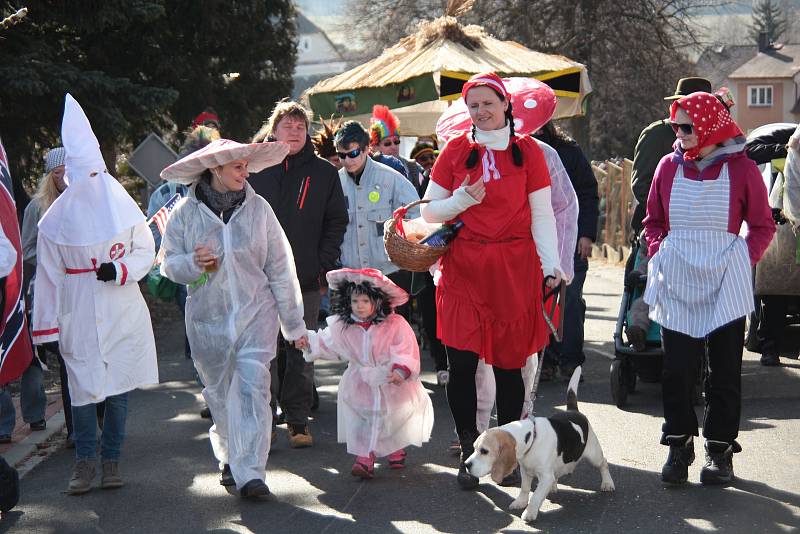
543, 229
178, 257
445, 206
46, 305
134, 266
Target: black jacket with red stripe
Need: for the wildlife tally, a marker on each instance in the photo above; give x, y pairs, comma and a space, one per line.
306, 195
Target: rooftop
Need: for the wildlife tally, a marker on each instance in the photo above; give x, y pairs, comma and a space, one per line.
781, 62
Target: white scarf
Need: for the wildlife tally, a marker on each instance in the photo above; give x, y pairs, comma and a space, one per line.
491, 140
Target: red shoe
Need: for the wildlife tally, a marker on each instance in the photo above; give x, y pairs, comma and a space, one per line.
364, 467
397, 460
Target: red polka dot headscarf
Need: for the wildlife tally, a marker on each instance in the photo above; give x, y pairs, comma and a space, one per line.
712, 121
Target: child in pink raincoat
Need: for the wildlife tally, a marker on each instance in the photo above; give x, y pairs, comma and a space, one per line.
382, 405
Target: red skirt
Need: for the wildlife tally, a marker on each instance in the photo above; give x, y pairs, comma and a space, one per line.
489, 300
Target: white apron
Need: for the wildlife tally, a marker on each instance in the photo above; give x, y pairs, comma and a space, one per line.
700, 278
103, 328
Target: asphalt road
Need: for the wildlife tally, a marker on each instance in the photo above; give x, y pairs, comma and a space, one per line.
172, 479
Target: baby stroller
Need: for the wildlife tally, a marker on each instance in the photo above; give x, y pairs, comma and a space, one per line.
642, 356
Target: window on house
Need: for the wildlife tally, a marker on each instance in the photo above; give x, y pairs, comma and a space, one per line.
759, 95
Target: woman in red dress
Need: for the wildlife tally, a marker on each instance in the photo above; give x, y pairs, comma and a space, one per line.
490, 292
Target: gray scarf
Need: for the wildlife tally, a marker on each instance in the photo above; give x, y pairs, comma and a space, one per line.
219, 202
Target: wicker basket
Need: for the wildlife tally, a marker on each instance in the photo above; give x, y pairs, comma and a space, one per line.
407, 255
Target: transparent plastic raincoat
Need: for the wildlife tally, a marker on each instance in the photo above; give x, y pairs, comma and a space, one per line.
232, 319
373, 415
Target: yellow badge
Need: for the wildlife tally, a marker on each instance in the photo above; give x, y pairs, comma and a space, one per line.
374, 196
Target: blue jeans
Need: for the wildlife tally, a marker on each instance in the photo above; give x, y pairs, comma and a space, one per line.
33, 400
84, 429
569, 353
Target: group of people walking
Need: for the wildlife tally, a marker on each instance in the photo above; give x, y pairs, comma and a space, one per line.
266, 228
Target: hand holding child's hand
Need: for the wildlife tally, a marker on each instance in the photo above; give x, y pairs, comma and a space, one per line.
395, 378
302, 343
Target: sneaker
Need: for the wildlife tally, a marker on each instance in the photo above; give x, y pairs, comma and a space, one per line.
681, 456
82, 476
226, 477
397, 460
39, 425
254, 489
770, 360
364, 467
205, 413
110, 478
300, 437
442, 378
719, 463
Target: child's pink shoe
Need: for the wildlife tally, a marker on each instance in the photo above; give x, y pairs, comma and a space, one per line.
397, 460
364, 467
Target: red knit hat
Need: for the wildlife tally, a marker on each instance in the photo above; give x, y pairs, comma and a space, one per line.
711, 119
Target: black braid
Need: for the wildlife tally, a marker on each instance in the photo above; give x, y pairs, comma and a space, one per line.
516, 153
472, 159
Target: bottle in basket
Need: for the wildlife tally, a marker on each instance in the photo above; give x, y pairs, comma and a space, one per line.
442, 236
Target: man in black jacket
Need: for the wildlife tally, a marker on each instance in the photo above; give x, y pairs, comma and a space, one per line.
568, 354
306, 195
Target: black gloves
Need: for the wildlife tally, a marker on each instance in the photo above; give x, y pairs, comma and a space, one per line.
106, 272
777, 216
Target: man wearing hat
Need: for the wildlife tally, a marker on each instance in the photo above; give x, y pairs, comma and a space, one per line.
654, 143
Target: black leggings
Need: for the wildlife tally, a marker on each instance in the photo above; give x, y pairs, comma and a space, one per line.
462, 395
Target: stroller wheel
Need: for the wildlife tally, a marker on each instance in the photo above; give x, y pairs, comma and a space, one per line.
630, 378
619, 387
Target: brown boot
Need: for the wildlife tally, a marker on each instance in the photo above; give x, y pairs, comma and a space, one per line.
82, 476
300, 437
111, 478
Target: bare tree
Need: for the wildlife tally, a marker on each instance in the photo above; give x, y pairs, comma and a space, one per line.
635, 51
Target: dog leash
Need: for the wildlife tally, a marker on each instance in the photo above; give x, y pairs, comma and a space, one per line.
558, 332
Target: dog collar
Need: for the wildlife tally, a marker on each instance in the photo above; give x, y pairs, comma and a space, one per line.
533, 437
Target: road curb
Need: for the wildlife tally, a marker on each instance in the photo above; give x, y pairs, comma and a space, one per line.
25, 448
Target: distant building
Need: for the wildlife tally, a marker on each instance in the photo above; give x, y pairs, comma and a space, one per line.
764, 80
317, 57
767, 87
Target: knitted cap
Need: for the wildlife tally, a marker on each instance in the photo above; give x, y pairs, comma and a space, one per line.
54, 158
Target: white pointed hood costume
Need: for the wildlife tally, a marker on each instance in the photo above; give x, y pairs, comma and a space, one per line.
95, 207
103, 327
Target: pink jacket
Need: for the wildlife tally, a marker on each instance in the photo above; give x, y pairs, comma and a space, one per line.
748, 202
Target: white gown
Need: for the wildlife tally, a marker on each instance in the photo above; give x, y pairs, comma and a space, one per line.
103, 328
232, 319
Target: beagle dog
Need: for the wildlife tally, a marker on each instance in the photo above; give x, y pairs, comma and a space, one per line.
544, 447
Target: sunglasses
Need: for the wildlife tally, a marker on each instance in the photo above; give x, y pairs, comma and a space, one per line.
353, 154
687, 129
426, 157
389, 142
